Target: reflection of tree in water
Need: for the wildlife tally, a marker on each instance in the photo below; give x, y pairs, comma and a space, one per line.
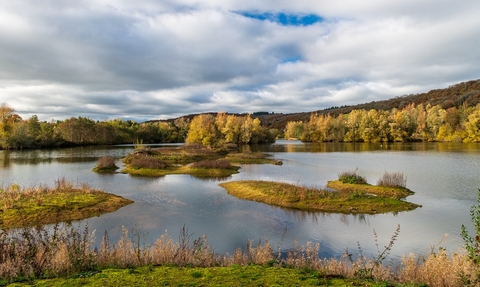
315, 216
361, 218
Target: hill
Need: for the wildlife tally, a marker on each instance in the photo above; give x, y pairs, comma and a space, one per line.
465, 93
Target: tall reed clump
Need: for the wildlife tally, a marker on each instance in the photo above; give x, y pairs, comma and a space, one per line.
105, 164
351, 177
393, 179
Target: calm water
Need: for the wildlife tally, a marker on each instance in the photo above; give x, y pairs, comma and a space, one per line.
444, 176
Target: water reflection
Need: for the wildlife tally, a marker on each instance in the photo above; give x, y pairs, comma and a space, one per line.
298, 146
444, 177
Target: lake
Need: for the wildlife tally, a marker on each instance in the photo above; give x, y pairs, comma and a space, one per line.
444, 176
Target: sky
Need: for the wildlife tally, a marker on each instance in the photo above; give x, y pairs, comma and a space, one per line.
146, 59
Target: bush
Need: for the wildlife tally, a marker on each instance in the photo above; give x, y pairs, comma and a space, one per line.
148, 162
221, 163
394, 179
351, 177
106, 161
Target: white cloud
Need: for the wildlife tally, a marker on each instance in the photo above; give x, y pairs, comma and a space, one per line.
150, 59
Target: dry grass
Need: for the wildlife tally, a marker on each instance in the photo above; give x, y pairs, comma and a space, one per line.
105, 162
64, 202
219, 163
394, 179
148, 162
35, 253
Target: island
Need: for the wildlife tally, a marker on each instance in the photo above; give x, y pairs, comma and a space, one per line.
338, 198
192, 159
26, 207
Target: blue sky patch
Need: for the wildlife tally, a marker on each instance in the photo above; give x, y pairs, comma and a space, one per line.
283, 18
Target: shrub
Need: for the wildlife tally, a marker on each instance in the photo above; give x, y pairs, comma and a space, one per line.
221, 163
394, 179
351, 177
106, 161
148, 162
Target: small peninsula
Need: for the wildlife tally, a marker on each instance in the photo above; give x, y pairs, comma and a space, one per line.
347, 197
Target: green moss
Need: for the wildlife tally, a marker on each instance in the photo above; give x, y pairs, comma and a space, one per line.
251, 275
349, 199
109, 169
178, 160
199, 172
53, 206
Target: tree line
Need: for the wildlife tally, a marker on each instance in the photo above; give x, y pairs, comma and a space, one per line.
210, 130
412, 123
216, 131
16, 133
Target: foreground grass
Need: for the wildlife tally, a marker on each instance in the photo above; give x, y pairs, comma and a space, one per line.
47, 205
65, 256
185, 160
235, 275
349, 198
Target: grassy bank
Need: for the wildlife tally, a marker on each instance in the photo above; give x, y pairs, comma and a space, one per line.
235, 275
195, 160
61, 203
349, 198
65, 256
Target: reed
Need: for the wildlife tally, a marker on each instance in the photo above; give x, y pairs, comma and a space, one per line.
105, 164
393, 179
30, 253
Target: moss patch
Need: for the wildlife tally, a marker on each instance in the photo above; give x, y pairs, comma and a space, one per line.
110, 169
251, 275
39, 206
347, 198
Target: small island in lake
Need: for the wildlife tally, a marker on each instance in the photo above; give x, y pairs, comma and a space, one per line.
193, 159
48, 205
348, 197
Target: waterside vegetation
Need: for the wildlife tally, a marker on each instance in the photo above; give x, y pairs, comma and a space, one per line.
352, 195
105, 164
67, 254
64, 202
193, 159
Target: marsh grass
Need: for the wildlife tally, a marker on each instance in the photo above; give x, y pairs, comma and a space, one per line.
193, 159
348, 198
219, 163
148, 162
45, 205
351, 177
31, 253
393, 179
249, 157
105, 164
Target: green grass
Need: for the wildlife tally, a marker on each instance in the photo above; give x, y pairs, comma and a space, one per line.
64, 203
109, 169
178, 161
199, 172
250, 275
349, 198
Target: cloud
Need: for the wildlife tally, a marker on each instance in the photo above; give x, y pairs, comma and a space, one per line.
149, 59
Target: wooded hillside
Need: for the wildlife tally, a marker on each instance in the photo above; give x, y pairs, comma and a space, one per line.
465, 93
